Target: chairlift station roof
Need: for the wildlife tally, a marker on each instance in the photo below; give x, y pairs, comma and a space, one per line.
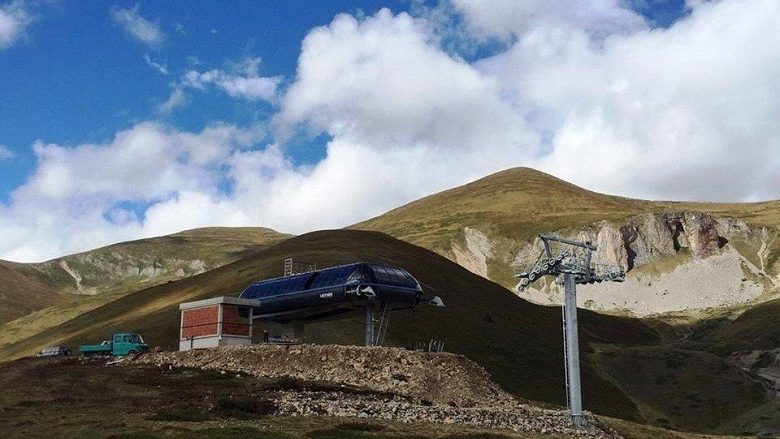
332, 290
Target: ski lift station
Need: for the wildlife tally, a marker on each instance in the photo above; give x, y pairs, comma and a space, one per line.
297, 298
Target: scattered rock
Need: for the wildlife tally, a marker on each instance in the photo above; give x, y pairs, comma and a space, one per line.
418, 387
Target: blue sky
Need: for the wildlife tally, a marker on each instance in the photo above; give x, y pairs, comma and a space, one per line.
75, 78
130, 119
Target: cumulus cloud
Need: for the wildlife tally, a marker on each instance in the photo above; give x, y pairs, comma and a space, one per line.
143, 30
383, 82
14, 19
589, 93
242, 81
74, 199
688, 112
507, 18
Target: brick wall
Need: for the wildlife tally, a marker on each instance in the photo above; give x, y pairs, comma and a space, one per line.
200, 322
233, 323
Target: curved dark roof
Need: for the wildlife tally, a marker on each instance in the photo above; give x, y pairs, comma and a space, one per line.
333, 277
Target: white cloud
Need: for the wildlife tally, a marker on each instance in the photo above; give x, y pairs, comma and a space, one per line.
14, 19
176, 99
6, 153
155, 65
243, 81
592, 96
145, 31
504, 18
383, 82
76, 193
688, 112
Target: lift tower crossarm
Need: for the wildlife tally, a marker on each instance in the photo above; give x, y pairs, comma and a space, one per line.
586, 245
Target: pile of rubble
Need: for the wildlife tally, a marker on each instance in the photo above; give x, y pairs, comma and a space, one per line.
518, 417
399, 385
440, 378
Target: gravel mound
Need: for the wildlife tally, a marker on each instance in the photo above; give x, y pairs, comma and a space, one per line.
439, 378
395, 384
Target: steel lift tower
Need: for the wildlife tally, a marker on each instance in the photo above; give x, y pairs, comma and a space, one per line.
570, 267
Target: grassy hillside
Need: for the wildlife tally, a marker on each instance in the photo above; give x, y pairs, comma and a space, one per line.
34, 297
124, 265
511, 207
24, 290
519, 203
516, 204
516, 341
758, 328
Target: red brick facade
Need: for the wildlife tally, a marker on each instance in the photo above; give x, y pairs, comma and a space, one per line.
201, 322
233, 323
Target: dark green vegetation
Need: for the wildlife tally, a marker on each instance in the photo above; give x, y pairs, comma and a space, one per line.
517, 342
69, 399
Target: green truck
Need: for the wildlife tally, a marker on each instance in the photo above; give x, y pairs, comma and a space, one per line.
122, 343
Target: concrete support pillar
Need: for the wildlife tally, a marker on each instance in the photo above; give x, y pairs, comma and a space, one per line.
572, 350
369, 323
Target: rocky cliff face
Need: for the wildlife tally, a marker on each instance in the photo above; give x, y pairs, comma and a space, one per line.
92, 274
475, 252
645, 238
675, 261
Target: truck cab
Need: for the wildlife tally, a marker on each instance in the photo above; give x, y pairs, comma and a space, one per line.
126, 343
121, 343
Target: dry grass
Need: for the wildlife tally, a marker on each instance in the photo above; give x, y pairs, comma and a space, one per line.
512, 206
37, 293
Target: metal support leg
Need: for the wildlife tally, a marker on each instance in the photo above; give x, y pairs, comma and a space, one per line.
572, 350
369, 323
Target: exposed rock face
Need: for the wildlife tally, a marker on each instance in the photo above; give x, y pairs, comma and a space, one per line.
706, 275
479, 249
648, 237
93, 273
701, 233
644, 239
610, 245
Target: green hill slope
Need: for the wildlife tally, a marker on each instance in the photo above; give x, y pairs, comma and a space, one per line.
489, 226
24, 290
37, 296
519, 343
520, 202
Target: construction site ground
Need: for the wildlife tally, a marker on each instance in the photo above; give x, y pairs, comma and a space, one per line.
99, 398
